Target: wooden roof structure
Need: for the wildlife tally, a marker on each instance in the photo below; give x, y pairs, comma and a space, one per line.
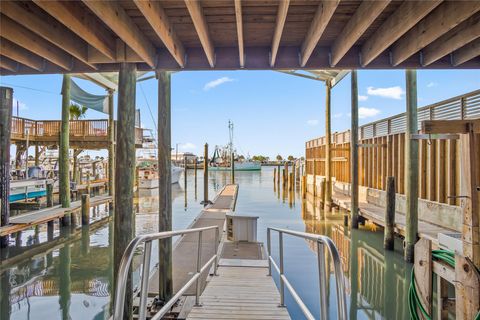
91, 36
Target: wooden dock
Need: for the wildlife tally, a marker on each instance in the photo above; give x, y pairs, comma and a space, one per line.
27, 220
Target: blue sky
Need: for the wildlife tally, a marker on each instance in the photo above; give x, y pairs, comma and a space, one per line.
273, 113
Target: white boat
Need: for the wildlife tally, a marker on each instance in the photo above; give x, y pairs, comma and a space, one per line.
148, 177
27, 189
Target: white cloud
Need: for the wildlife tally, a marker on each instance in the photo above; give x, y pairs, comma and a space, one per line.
312, 122
391, 92
187, 146
21, 105
362, 98
432, 84
367, 112
216, 83
338, 115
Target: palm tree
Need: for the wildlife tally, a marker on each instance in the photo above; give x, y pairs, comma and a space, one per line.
77, 111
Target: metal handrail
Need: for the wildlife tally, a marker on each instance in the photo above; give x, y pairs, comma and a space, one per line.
322, 277
127, 261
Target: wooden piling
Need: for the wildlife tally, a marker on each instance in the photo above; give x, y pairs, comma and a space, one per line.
354, 149
290, 181
125, 171
285, 175
274, 175
389, 233
6, 104
49, 194
111, 146
185, 168
63, 160
304, 186
85, 209
278, 174
411, 173
205, 174
165, 184
232, 168
37, 155
327, 202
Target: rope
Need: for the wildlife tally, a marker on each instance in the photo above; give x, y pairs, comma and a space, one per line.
414, 303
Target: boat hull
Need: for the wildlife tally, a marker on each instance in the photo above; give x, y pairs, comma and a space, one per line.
239, 166
154, 183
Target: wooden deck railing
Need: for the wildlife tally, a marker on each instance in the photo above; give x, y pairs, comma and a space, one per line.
381, 152
35, 130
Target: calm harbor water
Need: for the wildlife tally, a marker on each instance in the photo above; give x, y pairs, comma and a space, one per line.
71, 279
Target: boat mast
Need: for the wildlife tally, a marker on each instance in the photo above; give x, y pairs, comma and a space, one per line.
230, 130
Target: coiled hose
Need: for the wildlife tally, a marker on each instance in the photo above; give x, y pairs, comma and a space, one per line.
414, 302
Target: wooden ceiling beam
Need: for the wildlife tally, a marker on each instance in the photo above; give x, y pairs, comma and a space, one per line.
466, 53
319, 23
158, 19
440, 21
46, 27
24, 38
280, 23
115, 17
239, 24
402, 20
8, 64
74, 16
456, 38
21, 55
356, 26
196, 13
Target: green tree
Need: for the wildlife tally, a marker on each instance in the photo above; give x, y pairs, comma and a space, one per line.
279, 158
290, 158
77, 112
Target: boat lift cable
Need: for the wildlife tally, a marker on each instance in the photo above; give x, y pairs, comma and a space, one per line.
151, 114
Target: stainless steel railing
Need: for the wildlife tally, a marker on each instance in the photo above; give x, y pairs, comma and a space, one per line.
322, 242
127, 261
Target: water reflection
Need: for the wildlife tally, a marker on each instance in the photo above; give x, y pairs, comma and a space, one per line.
70, 277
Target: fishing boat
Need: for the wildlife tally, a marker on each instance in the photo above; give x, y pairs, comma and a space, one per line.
222, 157
148, 174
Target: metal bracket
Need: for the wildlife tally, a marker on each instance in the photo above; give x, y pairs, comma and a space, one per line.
371, 145
436, 136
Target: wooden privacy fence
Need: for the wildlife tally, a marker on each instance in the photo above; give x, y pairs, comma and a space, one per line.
382, 149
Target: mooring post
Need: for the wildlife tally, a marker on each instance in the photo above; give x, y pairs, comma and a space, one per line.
85, 209
304, 186
63, 160
291, 182
165, 284
111, 147
278, 174
232, 168
124, 221
185, 173
205, 175
354, 149
274, 175
285, 175
411, 172
389, 234
6, 104
37, 155
327, 203
50, 194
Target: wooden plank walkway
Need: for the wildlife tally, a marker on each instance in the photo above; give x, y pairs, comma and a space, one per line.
29, 219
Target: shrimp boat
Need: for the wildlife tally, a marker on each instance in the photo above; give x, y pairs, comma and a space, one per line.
222, 157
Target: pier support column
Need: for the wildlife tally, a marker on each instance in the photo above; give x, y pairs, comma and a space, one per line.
6, 104
111, 145
165, 184
124, 176
63, 161
411, 170
205, 175
354, 149
328, 149
37, 155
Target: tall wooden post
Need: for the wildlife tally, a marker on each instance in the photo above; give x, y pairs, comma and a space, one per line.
124, 177
328, 146
354, 149
63, 160
6, 104
205, 175
65, 281
232, 168
411, 166
165, 184
111, 145
37, 155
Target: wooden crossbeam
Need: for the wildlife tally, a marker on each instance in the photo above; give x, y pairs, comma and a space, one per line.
402, 20
280, 23
456, 38
158, 20
320, 21
115, 17
450, 126
239, 24
8, 64
356, 26
46, 27
196, 13
24, 38
466, 53
76, 18
441, 20
19, 54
